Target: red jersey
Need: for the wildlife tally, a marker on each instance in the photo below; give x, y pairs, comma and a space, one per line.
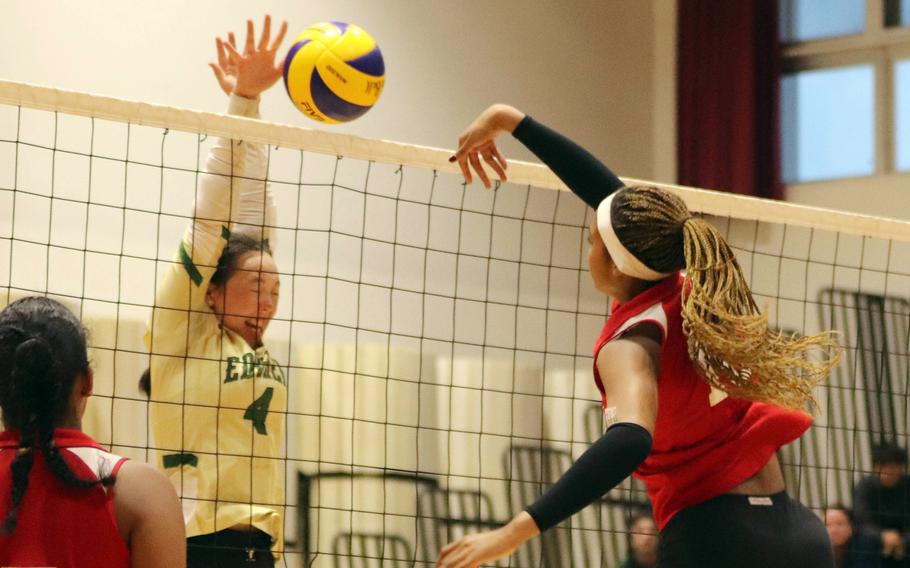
705, 443
60, 525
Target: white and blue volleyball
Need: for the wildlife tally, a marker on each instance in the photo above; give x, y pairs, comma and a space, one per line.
334, 72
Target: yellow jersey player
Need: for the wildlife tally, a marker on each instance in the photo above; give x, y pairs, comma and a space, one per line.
217, 397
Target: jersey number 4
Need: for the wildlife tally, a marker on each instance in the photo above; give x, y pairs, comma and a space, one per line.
257, 411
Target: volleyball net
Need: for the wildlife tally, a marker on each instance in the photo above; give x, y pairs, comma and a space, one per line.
436, 338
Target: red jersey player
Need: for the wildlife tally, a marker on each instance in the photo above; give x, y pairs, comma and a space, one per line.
698, 393
66, 502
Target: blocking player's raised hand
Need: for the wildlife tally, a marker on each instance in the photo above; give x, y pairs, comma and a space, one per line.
253, 70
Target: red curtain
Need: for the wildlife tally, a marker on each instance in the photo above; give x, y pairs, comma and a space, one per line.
728, 69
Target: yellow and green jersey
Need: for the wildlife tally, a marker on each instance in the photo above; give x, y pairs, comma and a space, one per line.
217, 405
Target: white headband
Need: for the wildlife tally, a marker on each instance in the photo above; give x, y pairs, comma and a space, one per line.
625, 261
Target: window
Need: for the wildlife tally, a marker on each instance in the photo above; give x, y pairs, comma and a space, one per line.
827, 120
902, 114
845, 91
804, 20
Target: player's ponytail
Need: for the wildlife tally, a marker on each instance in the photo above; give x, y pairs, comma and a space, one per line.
45, 347
728, 337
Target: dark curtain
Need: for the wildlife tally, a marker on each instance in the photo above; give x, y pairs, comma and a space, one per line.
728, 65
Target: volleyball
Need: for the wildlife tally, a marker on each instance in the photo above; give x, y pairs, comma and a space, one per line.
334, 72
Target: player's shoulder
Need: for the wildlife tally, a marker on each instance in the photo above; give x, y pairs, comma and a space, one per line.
136, 473
639, 347
655, 313
141, 494
138, 482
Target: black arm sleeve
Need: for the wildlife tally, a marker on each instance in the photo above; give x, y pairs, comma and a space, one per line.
606, 463
585, 175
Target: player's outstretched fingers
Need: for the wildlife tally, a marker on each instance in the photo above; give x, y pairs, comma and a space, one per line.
448, 552
281, 33
266, 33
250, 44
478, 169
491, 161
220, 51
500, 158
462, 555
232, 52
462, 160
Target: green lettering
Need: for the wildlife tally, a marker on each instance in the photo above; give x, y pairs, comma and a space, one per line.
248, 364
230, 374
278, 372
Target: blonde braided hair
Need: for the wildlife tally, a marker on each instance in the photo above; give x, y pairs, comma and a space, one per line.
728, 337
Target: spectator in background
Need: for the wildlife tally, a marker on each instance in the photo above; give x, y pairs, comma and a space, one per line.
882, 504
851, 549
642, 542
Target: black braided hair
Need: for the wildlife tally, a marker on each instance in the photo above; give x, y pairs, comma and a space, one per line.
45, 347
